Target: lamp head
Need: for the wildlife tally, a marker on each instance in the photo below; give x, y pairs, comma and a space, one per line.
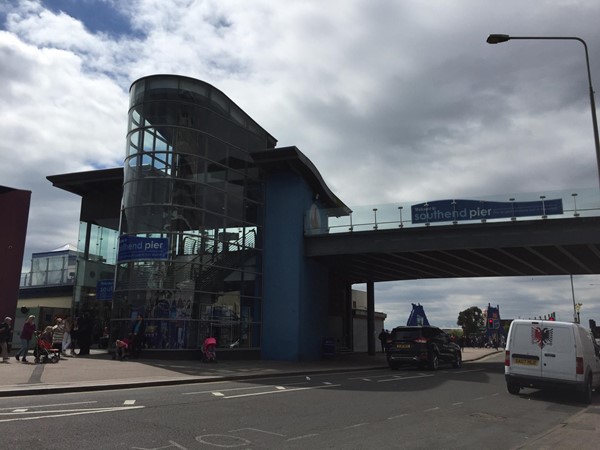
497, 38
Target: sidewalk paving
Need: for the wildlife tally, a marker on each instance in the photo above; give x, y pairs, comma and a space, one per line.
100, 372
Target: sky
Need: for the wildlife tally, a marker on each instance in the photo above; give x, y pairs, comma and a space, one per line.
393, 101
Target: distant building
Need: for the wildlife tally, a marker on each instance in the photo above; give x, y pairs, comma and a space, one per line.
359, 321
46, 291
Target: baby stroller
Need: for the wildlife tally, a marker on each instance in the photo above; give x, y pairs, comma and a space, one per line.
43, 351
209, 350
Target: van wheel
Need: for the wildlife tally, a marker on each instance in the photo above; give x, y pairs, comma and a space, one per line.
586, 395
434, 362
513, 388
457, 364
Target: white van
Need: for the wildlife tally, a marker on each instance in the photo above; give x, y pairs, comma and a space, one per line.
544, 353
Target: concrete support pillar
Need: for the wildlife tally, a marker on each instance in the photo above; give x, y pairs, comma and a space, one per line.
371, 317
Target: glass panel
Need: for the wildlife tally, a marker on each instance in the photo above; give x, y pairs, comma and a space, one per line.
148, 140
216, 176
235, 208
237, 115
216, 150
219, 101
199, 89
237, 159
161, 144
214, 201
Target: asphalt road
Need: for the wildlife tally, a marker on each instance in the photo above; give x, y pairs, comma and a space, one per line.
465, 408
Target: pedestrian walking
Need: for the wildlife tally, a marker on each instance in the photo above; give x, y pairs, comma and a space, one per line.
5, 337
85, 334
26, 335
67, 341
74, 336
58, 332
383, 339
138, 330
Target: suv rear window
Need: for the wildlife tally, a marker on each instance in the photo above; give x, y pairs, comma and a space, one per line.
406, 333
412, 333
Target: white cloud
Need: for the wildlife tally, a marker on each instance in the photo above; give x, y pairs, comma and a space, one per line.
392, 101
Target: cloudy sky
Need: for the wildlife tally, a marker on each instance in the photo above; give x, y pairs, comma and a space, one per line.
393, 101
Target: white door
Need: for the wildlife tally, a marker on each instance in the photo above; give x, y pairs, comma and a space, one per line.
525, 352
558, 352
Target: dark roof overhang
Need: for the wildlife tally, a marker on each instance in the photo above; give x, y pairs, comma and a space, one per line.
291, 158
101, 192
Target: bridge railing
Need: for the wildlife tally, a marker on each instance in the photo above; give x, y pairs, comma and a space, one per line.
584, 202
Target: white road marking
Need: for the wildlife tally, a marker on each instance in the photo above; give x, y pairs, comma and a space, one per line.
356, 425
20, 410
397, 417
303, 437
457, 403
173, 444
257, 430
66, 413
129, 402
279, 392
218, 394
403, 378
53, 404
235, 440
280, 388
432, 409
230, 390
466, 371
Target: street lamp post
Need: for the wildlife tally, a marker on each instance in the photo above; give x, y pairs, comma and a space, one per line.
575, 311
499, 38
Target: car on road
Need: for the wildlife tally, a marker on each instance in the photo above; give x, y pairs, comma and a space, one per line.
423, 346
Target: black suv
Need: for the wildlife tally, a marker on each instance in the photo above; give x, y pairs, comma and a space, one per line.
422, 346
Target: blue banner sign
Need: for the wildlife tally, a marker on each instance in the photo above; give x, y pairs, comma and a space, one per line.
104, 290
457, 210
134, 248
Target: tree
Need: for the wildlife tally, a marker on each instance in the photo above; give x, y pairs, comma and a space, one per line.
471, 320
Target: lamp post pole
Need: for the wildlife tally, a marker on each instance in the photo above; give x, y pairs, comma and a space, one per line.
574, 304
499, 38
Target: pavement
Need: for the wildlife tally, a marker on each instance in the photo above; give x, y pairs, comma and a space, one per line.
99, 371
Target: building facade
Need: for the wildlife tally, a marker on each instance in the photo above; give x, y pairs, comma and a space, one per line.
210, 219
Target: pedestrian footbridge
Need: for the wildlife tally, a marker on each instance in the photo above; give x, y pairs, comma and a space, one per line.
384, 246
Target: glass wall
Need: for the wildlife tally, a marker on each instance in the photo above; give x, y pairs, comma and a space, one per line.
190, 182
55, 268
97, 255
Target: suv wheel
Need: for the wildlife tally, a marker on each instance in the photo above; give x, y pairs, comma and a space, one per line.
457, 364
434, 360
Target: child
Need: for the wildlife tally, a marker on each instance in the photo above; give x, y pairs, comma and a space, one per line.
122, 348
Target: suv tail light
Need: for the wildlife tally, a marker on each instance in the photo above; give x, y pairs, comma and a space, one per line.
579, 365
507, 358
421, 340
